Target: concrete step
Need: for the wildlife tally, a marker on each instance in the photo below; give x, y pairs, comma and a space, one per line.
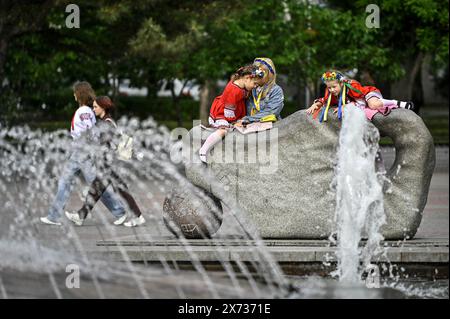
296, 251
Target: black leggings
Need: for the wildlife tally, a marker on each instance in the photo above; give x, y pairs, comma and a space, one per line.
99, 186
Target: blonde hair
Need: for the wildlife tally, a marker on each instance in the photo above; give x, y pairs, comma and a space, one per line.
270, 74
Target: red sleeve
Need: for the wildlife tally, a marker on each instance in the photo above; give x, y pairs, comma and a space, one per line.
321, 100
363, 89
232, 95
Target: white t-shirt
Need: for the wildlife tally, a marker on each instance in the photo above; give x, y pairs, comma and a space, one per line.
83, 120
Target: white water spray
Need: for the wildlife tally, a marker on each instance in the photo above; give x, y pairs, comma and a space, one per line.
359, 196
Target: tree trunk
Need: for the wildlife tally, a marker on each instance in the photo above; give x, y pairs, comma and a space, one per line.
176, 103
115, 85
413, 75
3, 49
310, 92
417, 94
205, 101
298, 97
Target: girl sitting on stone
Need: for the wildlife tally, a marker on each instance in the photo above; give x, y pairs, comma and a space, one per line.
229, 107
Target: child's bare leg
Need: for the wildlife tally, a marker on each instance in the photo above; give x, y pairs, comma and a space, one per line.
212, 140
392, 104
375, 103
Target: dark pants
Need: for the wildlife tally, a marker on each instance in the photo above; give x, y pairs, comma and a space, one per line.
98, 187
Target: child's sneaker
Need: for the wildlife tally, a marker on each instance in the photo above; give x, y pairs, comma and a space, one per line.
75, 218
410, 106
203, 158
120, 220
406, 105
47, 221
136, 221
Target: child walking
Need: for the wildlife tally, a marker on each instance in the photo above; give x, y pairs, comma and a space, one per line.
341, 91
229, 107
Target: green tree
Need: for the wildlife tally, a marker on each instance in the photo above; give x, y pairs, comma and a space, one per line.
43, 63
411, 30
18, 18
179, 42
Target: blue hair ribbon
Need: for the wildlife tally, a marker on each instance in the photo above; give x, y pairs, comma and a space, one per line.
322, 114
266, 64
340, 107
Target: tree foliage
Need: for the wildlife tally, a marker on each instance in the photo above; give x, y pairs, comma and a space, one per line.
147, 41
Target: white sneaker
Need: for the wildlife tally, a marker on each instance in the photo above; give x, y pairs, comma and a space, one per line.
406, 105
120, 220
136, 221
75, 218
45, 220
203, 158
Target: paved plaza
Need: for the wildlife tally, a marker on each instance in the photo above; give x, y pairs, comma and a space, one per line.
153, 241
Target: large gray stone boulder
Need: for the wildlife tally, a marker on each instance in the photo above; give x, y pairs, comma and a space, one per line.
282, 178
192, 213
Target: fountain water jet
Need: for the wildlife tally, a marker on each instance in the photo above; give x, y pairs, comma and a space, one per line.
31, 162
359, 196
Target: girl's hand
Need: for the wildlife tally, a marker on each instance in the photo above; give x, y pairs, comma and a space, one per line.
313, 108
241, 123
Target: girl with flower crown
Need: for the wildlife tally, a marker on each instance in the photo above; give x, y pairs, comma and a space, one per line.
341, 91
229, 107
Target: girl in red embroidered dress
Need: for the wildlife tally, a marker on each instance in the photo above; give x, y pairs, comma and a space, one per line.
229, 107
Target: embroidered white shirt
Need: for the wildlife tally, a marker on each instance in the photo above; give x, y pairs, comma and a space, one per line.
83, 120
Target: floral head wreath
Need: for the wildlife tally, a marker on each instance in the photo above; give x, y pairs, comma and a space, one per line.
331, 76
